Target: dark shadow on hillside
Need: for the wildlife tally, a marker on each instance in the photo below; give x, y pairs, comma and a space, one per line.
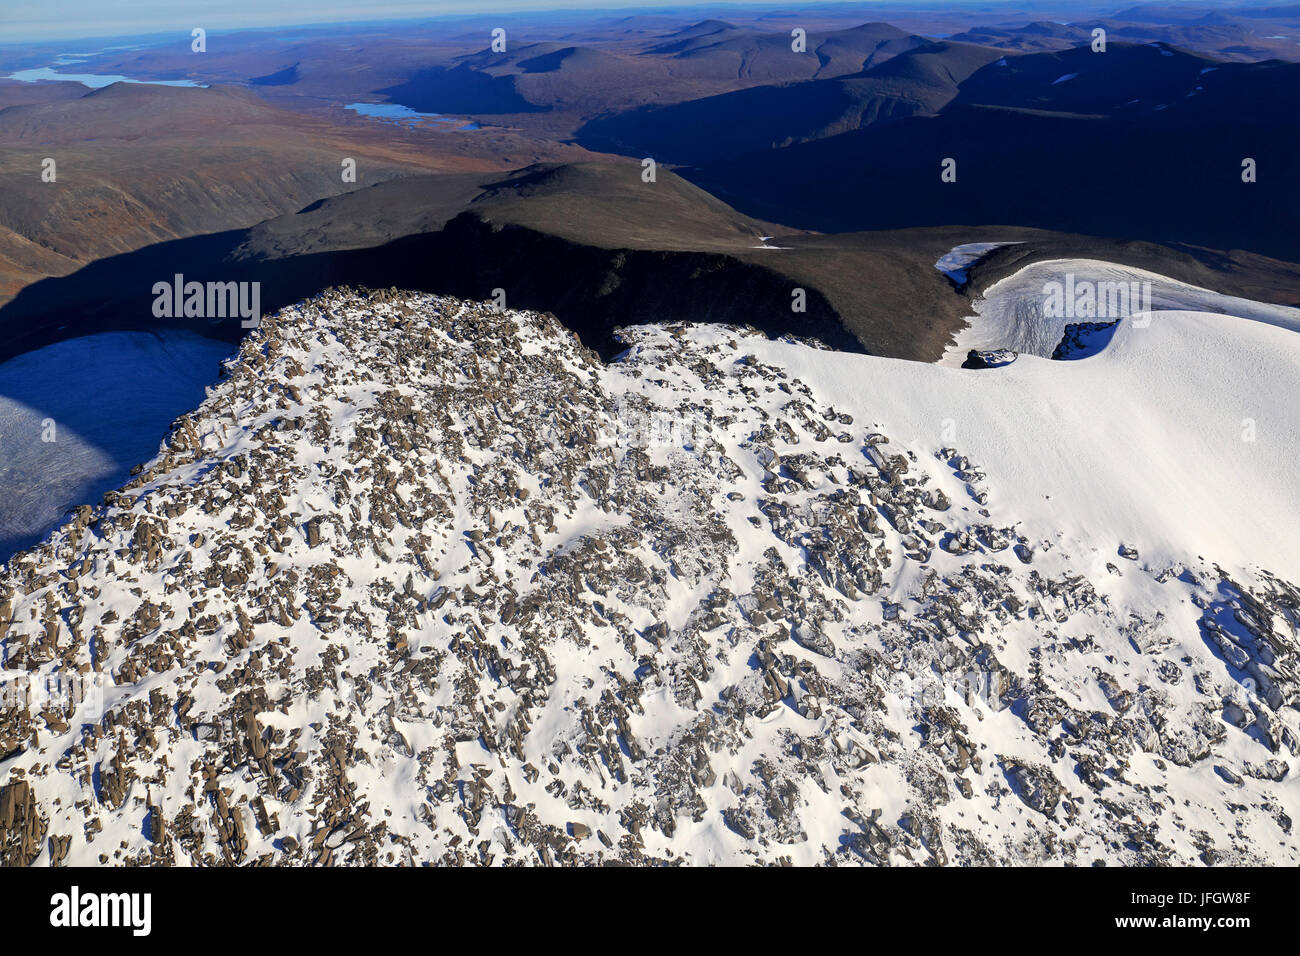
459, 90
286, 77
590, 290
75, 418
1125, 179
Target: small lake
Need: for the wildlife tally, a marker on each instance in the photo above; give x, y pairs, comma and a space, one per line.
93, 80
405, 116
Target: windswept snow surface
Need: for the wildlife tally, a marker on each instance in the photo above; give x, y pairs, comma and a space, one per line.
1013, 312
954, 263
424, 581
76, 416
1178, 438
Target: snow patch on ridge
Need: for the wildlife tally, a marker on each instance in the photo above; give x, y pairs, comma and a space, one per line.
1012, 312
955, 262
423, 581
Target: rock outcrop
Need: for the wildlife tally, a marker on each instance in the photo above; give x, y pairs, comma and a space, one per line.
425, 581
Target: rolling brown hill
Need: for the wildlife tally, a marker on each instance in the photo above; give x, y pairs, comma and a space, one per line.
140, 164
600, 248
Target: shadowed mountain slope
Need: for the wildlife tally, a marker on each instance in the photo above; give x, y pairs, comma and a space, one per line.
919, 81
1167, 168
573, 83
599, 248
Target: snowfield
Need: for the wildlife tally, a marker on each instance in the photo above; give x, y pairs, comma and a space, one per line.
76, 416
955, 263
1013, 313
424, 581
1178, 438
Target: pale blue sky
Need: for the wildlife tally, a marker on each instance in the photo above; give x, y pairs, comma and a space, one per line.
31, 20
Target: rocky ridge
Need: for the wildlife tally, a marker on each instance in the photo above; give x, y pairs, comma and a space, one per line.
424, 581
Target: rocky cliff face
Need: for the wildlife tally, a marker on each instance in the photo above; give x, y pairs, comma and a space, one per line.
424, 581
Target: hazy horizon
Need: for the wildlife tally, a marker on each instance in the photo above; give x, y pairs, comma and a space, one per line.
78, 19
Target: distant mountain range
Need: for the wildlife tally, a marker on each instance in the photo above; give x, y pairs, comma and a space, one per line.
1139, 142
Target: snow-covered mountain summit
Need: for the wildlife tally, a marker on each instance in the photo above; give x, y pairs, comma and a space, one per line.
422, 580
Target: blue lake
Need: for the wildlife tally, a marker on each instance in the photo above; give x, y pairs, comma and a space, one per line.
93, 80
404, 115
